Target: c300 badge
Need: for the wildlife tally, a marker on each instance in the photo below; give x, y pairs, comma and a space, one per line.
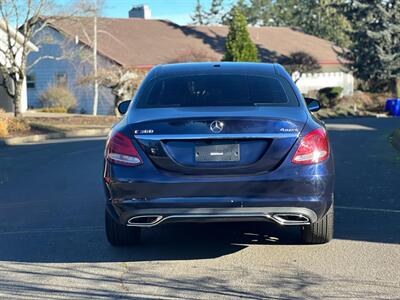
143, 131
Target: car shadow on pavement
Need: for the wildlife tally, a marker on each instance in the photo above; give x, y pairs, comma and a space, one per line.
182, 241
179, 241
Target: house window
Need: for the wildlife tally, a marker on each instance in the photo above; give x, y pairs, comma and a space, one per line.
61, 79
30, 81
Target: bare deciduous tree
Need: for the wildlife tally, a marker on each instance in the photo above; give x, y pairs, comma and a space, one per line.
123, 82
300, 62
22, 20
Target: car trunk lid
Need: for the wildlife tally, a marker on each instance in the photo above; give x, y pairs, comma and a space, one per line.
217, 140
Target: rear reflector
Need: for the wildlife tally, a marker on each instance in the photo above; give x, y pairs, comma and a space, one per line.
313, 148
120, 150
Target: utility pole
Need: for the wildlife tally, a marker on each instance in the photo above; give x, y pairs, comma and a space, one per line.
96, 83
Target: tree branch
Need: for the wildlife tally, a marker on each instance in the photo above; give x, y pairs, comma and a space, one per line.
44, 57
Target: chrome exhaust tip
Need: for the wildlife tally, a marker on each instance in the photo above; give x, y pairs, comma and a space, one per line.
291, 219
145, 221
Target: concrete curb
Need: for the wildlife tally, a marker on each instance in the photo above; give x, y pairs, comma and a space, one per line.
54, 135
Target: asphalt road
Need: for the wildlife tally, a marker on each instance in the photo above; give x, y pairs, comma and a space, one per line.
52, 242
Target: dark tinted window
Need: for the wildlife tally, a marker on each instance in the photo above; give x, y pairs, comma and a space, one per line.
214, 90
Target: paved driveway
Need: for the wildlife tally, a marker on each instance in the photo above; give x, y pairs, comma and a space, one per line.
52, 243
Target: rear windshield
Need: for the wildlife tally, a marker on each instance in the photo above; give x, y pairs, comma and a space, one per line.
216, 90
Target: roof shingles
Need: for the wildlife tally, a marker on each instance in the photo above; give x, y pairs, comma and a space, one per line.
137, 42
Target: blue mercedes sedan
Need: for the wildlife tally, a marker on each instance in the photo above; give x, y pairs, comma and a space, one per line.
215, 142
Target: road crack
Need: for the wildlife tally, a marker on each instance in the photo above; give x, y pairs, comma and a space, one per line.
125, 271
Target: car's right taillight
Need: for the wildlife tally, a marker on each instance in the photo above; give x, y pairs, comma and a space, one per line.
120, 150
313, 148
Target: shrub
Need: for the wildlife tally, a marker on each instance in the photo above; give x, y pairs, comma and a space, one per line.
53, 109
58, 96
3, 124
11, 125
341, 112
328, 95
361, 101
17, 125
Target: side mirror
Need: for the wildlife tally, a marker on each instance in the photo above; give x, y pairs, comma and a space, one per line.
123, 106
312, 104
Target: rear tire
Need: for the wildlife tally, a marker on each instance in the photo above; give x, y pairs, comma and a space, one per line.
121, 235
320, 232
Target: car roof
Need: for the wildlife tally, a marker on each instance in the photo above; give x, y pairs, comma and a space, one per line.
205, 68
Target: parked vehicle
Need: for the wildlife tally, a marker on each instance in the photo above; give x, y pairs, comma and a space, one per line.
205, 142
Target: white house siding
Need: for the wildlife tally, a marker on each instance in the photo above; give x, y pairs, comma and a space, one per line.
6, 101
46, 70
316, 81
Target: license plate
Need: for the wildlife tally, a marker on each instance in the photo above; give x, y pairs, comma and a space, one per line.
222, 152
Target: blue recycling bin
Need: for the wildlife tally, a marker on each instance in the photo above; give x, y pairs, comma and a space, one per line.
389, 104
393, 107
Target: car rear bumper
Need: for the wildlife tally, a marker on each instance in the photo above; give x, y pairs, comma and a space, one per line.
149, 213
301, 190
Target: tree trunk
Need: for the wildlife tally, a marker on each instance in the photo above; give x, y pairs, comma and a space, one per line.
18, 98
397, 88
96, 83
116, 102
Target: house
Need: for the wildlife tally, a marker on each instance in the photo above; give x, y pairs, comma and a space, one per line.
7, 100
143, 43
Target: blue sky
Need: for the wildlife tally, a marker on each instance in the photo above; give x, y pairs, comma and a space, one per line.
178, 11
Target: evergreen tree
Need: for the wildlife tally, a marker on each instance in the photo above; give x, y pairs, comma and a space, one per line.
374, 55
258, 12
199, 16
238, 45
242, 6
316, 17
216, 12
285, 13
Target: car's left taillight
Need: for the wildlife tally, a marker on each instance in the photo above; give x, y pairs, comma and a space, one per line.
120, 150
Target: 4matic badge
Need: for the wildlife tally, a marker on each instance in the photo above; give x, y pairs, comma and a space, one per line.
288, 130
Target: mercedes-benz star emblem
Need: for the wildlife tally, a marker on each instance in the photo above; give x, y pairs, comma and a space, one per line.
217, 126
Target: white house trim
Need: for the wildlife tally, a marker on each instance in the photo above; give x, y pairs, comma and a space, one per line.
5, 99
317, 81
